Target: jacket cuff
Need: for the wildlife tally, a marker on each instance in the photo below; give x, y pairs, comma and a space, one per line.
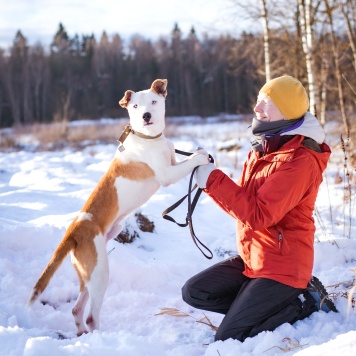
212, 177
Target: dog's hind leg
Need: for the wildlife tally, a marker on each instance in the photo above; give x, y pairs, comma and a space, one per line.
98, 283
78, 311
114, 231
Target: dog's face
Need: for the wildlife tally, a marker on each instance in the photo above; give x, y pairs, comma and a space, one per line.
147, 108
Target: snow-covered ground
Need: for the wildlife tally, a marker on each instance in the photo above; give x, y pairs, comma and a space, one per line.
40, 194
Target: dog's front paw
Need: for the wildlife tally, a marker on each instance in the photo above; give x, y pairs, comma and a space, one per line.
200, 157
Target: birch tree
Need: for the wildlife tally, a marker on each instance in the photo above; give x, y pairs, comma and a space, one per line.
264, 14
307, 43
252, 10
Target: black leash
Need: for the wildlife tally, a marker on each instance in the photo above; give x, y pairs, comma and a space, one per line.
191, 207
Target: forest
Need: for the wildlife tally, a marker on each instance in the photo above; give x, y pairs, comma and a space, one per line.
83, 77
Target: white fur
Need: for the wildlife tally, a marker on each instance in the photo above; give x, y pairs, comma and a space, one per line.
84, 216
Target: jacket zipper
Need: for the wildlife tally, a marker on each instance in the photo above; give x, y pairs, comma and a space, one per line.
280, 239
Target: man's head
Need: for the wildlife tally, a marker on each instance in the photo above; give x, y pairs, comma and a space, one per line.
288, 96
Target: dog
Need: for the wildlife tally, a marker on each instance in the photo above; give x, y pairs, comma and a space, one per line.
144, 161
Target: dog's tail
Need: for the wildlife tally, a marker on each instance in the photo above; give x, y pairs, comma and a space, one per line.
58, 256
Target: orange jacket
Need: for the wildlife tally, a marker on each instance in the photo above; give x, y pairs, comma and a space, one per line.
273, 203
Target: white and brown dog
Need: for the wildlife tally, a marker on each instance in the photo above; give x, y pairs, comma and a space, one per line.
144, 161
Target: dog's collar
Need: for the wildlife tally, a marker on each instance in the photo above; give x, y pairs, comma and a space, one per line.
127, 131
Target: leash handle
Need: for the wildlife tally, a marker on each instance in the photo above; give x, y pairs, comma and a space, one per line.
190, 219
174, 206
191, 207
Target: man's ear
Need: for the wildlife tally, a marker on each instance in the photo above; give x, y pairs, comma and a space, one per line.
159, 86
126, 99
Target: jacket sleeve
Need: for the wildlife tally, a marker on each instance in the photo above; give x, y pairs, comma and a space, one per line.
280, 192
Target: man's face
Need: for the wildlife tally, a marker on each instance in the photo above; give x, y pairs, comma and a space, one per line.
266, 110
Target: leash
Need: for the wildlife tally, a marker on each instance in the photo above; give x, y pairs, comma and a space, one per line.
191, 207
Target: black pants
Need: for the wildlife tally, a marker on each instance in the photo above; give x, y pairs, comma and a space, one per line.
250, 305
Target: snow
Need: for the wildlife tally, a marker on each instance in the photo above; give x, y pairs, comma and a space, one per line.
40, 194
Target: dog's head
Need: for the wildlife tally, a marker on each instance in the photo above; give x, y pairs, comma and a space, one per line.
147, 108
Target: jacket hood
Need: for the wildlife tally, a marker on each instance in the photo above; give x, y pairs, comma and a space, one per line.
310, 127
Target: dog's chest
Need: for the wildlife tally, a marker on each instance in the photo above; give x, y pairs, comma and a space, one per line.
155, 153
134, 182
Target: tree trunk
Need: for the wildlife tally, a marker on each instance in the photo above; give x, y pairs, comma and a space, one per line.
350, 34
266, 39
307, 42
345, 120
323, 89
13, 97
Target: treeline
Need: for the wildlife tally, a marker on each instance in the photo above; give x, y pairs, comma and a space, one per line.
84, 78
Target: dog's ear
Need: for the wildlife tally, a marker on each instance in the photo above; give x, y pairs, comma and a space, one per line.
159, 86
126, 99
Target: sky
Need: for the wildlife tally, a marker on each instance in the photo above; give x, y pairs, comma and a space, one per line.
39, 19
42, 191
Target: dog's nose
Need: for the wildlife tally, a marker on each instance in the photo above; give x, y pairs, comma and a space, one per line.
147, 116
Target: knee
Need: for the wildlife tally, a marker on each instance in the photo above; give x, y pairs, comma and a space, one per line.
193, 295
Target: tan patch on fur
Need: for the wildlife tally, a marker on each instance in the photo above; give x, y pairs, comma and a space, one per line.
84, 232
103, 202
159, 86
103, 205
126, 98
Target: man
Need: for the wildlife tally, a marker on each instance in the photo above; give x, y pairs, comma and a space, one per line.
273, 203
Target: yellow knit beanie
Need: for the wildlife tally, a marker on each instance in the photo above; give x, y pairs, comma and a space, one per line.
289, 95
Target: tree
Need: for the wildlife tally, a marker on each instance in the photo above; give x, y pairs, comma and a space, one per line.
81, 78
306, 25
266, 39
39, 83
16, 79
176, 70
346, 8
329, 11
61, 42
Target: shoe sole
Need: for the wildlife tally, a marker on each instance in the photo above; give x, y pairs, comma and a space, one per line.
317, 290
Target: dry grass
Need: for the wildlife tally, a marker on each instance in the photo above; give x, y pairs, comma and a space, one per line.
344, 289
177, 313
57, 135
290, 345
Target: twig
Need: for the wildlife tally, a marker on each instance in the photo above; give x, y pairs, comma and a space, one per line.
291, 345
330, 209
347, 185
350, 298
352, 89
323, 228
175, 312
